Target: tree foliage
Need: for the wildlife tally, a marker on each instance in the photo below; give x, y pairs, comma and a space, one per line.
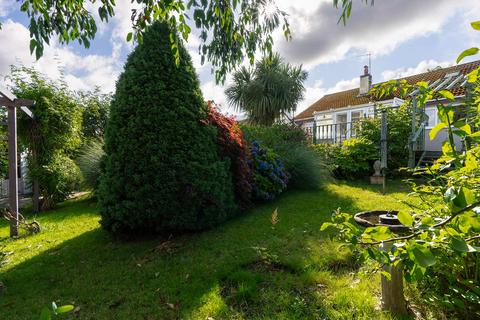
442, 242
163, 171
346, 8
269, 91
52, 137
229, 29
96, 108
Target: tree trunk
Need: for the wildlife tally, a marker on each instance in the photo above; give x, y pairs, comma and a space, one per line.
393, 299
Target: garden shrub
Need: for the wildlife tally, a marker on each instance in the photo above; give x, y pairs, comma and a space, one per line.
306, 168
52, 137
353, 159
328, 154
234, 147
58, 180
270, 178
163, 172
398, 134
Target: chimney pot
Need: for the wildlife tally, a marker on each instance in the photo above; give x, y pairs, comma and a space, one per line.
365, 71
365, 81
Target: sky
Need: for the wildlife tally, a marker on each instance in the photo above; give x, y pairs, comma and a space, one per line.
403, 37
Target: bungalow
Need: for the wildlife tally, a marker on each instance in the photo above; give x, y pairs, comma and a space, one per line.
331, 119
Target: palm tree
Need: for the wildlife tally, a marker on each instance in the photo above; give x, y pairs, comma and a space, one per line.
267, 92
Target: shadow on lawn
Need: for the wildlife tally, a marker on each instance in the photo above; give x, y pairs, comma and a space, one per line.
246, 267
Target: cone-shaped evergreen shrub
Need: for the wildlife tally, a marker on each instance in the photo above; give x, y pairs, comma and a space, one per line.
162, 168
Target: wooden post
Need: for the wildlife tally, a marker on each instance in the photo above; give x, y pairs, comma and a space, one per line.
411, 143
393, 299
13, 169
36, 196
383, 148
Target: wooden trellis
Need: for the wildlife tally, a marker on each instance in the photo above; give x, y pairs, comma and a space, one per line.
12, 103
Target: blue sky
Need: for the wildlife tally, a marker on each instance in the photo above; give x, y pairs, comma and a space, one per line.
403, 36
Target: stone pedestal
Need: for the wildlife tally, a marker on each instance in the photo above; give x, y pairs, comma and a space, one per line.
377, 179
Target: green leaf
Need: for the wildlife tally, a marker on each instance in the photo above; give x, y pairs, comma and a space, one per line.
475, 25
446, 114
473, 76
428, 221
423, 84
464, 198
458, 244
45, 314
129, 36
446, 94
466, 53
450, 195
64, 309
325, 226
435, 130
447, 149
387, 275
424, 256
33, 45
405, 218
463, 126
378, 233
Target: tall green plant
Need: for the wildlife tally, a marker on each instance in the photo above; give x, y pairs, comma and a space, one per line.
52, 136
269, 91
163, 171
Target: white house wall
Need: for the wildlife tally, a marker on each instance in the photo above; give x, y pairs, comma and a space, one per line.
436, 144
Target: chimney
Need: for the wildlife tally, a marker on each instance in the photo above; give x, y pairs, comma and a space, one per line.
365, 81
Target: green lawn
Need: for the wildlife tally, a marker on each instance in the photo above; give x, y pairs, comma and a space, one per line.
245, 269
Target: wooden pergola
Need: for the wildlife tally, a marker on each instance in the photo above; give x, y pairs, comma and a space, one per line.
12, 103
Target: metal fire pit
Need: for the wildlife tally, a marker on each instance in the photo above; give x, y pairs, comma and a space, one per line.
393, 299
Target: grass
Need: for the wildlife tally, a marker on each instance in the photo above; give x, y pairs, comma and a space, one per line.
245, 269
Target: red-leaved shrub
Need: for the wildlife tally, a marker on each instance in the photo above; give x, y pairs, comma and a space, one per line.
233, 146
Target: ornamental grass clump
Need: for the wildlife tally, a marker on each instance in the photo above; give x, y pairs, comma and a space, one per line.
162, 171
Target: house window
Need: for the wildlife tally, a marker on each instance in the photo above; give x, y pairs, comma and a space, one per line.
356, 117
432, 117
341, 127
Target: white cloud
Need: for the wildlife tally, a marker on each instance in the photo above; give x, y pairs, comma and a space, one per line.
423, 66
80, 72
317, 38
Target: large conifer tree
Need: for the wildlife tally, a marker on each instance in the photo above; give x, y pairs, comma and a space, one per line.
162, 170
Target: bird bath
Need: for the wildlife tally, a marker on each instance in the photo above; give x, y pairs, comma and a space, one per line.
393, 299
